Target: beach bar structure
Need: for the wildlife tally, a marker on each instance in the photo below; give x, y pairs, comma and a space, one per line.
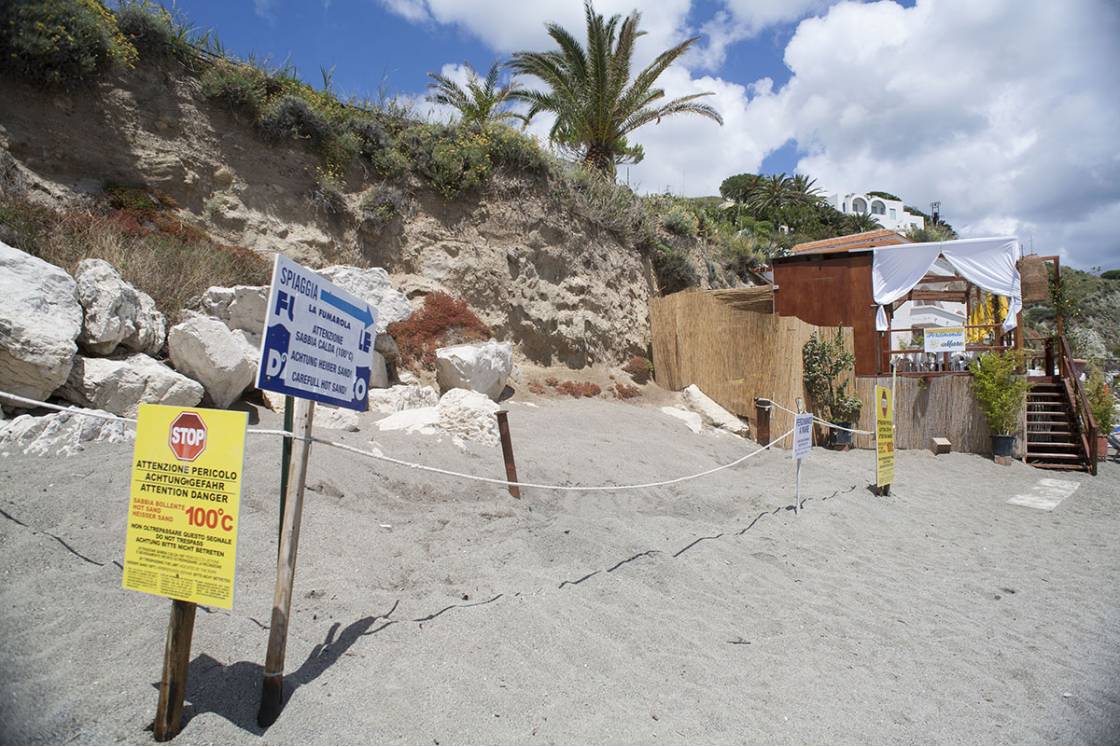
741, 344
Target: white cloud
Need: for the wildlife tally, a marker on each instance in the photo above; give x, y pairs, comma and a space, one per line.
1009, 118
1006, 114
743, 19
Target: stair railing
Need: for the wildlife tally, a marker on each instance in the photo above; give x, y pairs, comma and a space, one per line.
1076, 393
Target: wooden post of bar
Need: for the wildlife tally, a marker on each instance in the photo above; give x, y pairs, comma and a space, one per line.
762, 420
176, 660
507, 452
272, 687
285, 463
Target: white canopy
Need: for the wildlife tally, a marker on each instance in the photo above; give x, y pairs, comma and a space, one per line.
991, 264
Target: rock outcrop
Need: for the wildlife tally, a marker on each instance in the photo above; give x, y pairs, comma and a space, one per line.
62, 433
469, 415
402, 397
477, 367
221, 359
121, 385
242, 307
40, 319
115, 313
335, 418
712, 413
373, 286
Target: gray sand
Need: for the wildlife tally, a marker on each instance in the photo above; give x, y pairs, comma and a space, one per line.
701, 612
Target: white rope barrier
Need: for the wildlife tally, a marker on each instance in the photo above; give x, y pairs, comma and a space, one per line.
425, 467
822, 421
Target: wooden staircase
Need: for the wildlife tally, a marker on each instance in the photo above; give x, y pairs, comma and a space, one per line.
1061, 434
1053, 437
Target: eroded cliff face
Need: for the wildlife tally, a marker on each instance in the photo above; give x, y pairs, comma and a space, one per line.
561, 288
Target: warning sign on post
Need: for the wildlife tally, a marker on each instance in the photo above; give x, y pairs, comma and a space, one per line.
884, 436
317, 340
183, 503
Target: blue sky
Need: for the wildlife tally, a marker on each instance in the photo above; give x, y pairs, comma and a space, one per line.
947, 100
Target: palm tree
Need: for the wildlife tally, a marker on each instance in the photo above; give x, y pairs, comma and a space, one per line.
480, 101
590, 91
770, 196
860, 222
801, 191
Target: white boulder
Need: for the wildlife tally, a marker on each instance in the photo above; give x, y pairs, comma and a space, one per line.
335, 418
115, 313
121, 385
693, 420
62, 433
402, 397
478, 367
242, 307
469, 415
378, 372
40, 318
221, 359
416, 420
712, 413
372, 285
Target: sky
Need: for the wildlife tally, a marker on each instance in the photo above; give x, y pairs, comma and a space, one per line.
1005, 111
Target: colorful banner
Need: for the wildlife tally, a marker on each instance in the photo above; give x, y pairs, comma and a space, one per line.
884, 436
183, 503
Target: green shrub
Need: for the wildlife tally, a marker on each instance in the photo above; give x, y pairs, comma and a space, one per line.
998, 389
740, 253
674, 270
451, 159
291, 117
382, 205
601, 201
828, 366
154, 31
327, 196
1101, 401
238, 87
680, 221
60, 42
519, 153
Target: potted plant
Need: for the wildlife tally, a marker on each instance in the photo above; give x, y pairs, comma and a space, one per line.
1102, 405
1002, 394
828, 368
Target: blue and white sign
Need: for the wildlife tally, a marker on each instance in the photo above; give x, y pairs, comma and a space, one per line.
317, 340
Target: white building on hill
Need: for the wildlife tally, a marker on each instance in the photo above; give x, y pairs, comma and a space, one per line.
891, 214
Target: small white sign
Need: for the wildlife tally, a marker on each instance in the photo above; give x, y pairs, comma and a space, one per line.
802, 435
944, 339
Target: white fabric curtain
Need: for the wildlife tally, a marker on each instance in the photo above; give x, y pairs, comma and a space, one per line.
990, 264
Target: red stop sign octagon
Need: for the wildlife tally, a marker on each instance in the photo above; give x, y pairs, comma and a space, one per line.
187, 437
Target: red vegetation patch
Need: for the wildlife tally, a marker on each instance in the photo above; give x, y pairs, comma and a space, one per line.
441, 321
536, 387
639, 368
552, 381
579, 388
625, 391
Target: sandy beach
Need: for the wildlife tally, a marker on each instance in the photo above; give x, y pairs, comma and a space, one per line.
430, 610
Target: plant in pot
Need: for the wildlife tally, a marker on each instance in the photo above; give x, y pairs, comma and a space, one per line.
828, 367
1002, 394
1102, 404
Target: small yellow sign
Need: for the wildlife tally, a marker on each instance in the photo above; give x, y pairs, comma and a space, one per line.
884, 436
183, 503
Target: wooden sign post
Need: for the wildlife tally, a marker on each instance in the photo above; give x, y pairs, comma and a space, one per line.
316, 346
272, 688
176, 660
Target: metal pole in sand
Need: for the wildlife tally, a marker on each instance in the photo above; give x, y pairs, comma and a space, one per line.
797, 477
272, 688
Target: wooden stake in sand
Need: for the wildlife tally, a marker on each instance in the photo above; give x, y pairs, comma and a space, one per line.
272, 688
507, 452
176, 660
